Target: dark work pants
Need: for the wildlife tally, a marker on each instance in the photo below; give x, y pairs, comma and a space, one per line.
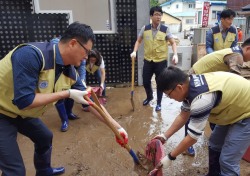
150, 68
11, 162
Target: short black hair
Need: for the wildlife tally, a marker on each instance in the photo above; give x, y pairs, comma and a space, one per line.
227, 13
80, 31
96, 54
155, 9
170, 77
246, 43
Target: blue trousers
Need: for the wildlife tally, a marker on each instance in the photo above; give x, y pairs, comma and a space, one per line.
11, 162
150, 68
232, 141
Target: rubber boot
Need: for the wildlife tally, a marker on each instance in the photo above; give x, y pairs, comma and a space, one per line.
149, 93
214, 164
43, 167
69, 103
63, 115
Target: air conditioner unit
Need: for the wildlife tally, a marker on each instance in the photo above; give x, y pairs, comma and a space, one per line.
184, 55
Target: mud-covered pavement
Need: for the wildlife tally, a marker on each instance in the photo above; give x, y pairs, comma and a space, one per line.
88, 148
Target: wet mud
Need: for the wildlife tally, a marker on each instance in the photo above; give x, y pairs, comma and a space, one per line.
88, 148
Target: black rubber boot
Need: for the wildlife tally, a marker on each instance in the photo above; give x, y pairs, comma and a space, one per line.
149, 93
63, 115
214, 164
43, 167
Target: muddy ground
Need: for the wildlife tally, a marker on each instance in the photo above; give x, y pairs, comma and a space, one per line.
88, 148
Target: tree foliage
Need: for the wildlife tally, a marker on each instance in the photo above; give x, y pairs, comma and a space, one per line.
154, 3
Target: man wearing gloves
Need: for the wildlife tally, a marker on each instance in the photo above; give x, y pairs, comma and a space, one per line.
34, 76
156, 37
219, 97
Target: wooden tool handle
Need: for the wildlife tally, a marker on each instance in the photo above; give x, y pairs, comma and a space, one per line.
95, 98
97, 106
110, 125
133, 74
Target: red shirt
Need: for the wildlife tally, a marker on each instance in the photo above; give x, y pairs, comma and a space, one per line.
240, 35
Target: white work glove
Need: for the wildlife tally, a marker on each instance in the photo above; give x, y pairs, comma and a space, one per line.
101, 89
124, 135
78, 96
165, 162
84, 83
175, 59
133, 54
102, 86
161, 137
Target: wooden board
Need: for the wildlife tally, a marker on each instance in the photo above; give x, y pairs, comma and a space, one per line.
201, 50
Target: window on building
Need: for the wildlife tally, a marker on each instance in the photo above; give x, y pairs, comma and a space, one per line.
214, 14
177, 6
191, 6
189, 21
199, 17
104, 20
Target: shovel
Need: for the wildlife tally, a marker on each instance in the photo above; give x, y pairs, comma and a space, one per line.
97, 106
132, 83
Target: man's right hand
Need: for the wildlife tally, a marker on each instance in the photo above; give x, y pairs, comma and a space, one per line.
133, 54
124, 135
78, 96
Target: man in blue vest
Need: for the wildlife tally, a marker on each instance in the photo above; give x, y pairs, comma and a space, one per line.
218, 97
156, 37
33, 76
223, 35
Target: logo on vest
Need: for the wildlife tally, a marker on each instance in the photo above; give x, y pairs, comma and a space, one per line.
216, 40
43, 84
198, 81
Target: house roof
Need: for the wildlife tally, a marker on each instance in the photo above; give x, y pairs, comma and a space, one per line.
245, 11
172, 16
218, 3
171, 1
246, 8
237, 5
184, 14
214, 3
